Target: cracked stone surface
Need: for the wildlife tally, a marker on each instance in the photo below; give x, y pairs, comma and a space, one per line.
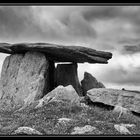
23, 79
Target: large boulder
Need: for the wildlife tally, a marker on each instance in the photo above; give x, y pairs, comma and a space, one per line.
60, 94
66, 74
114, 97
23, 79
59, 53
90, 82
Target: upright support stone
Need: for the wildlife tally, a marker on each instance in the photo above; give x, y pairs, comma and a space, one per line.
23, 79
66, 74
51, 72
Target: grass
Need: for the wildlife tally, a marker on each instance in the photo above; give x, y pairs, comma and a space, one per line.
45, 119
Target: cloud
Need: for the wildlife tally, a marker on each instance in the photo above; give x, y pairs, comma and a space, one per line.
16, 23
116, 24
123, 77
43, 24
131, 49
122, 70
82, 25
130, 13
101, 12
108, 28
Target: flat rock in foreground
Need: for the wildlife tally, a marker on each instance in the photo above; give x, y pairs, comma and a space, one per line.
26, 131
113, 97
59, 53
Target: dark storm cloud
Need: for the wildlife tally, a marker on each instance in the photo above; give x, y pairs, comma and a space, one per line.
68, 23
130, 13
77, 25
10, 21
16, 23
27, 23
125, 14
131, 49
101, 12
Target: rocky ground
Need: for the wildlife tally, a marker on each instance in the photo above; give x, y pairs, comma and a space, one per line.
62, 118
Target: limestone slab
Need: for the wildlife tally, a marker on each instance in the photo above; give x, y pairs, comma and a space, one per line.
59, 53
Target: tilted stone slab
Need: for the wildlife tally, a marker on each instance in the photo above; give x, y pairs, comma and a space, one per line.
59, 53
23, 79
114, 97
90, 82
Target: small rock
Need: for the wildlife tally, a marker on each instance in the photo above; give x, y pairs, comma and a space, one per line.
63, 120
83, 130
99, 121
128, 125
82, 99
27, 131
121, 110
84, 105
122, 129
40, 104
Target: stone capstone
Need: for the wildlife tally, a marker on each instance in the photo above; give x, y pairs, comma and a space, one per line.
114, 97
23, 79
90, 82
59, 53
66, 74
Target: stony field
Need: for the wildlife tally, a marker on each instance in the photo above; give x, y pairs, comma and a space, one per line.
61, 118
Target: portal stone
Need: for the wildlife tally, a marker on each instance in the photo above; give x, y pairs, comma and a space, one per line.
23, 79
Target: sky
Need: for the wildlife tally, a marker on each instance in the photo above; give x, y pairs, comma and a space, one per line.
115, 29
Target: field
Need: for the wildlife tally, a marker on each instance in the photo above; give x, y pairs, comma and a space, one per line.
46, 120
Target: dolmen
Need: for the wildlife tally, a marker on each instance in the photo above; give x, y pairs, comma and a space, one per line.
29, 72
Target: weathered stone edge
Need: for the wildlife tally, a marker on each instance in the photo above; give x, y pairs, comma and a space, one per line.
91, 55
